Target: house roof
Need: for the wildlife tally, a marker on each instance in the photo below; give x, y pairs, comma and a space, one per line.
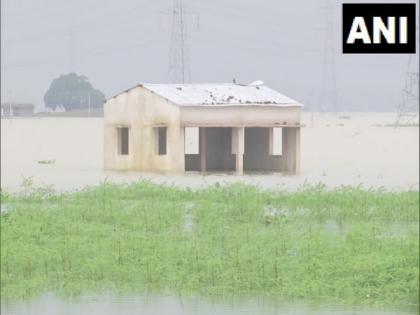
221, 94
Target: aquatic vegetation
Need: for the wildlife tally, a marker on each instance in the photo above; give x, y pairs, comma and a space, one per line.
395, 125
348, 244
46, 162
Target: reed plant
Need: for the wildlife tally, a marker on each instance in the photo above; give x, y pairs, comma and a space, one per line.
349, 244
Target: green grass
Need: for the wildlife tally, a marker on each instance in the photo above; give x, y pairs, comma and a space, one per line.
346, 244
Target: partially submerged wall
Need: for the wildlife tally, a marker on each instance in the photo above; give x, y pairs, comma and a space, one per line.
291, 150
142, 112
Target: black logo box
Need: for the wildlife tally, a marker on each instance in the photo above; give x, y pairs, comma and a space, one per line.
383, 10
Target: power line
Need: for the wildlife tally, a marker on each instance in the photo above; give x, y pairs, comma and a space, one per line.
178, 69
328, 99
408, 109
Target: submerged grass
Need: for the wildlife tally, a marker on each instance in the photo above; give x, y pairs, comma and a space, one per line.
347, 244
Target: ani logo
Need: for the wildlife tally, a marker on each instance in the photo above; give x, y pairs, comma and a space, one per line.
379, 28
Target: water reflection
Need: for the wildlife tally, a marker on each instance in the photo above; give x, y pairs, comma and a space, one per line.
163, 305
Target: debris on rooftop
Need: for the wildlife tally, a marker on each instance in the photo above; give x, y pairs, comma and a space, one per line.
255, 93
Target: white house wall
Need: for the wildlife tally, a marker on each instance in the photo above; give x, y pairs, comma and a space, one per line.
142, 111
249, 116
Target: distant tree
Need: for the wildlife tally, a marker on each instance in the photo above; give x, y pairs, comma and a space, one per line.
73, 92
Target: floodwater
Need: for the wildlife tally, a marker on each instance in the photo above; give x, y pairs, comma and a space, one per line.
67, 153
164, 305
337, 149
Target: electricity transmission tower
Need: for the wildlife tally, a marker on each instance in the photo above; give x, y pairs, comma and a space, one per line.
408, 109
178, 70
328, 99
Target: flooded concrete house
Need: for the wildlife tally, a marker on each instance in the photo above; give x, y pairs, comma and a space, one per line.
202, 127
17, 109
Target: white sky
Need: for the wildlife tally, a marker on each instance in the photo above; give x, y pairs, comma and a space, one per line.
118, 44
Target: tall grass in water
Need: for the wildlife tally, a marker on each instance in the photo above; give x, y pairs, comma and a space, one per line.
347, 244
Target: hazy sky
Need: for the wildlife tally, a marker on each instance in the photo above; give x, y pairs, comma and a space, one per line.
118, 44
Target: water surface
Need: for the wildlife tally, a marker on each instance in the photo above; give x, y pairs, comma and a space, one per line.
360, 149
164, 305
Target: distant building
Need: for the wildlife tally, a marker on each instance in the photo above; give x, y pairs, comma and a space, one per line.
202, 127
17, 109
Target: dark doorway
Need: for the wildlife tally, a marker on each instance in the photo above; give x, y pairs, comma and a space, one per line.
257, 157
218, 151
219, 157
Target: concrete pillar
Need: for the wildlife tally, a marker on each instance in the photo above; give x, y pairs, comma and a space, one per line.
291, 150
202, 148
239, 148
181, 150
297, 157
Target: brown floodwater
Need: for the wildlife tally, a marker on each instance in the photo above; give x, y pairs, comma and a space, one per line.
337, 149
67, 153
